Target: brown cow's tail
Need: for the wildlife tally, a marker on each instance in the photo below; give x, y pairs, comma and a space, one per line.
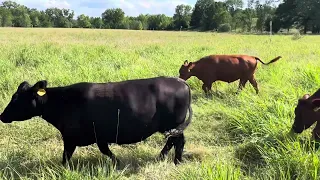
179, 130
272, 61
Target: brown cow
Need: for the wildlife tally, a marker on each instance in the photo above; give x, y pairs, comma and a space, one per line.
307, 112
227, 68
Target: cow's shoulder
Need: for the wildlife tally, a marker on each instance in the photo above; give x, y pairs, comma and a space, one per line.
81, 91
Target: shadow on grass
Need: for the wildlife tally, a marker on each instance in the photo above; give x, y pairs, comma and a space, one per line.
18, 165
213, 94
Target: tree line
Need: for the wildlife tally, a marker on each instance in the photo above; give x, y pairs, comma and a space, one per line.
229, 15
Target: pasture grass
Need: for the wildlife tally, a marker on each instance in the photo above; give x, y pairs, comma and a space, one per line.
231, 136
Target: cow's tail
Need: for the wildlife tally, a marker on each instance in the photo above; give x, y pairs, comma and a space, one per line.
179, 130
272, 61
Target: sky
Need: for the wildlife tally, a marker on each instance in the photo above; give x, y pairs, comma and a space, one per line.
97, 7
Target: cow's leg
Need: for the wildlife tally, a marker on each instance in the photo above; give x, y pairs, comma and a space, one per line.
242, 84
316, 135
67, 152
205, 89
104, 148
166, 148
209, 86
254, 83
178, 143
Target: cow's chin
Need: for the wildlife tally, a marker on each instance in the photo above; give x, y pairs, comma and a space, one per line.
296, 130
184, 77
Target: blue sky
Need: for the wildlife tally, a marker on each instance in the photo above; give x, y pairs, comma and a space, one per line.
97, 7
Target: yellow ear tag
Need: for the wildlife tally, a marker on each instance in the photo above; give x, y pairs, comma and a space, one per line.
41, 92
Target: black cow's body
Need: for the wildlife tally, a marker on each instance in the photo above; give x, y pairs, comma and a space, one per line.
117, 112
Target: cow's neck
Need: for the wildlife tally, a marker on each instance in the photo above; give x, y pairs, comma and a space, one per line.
51, 109
198, 72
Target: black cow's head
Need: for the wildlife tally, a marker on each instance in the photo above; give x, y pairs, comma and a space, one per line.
307, 113
185, 70
25, 102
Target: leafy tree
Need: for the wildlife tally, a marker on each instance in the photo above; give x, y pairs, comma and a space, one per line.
236, 19
276, 24
34, 16
285, 15
144, 20
215, 14
113, 17
45, 19
233, 5
125, 23
60, 17
136, 25
10, 4
96, 22
198, 12
247, 19
21, 17
83, 21
263, 11
224, 28
6, 17
222, 15
159, 22
306, 12
182, 16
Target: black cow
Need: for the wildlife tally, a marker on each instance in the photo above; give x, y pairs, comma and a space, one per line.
116, 112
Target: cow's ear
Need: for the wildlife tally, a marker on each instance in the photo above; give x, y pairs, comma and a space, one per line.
306, 96
185, 63
41, 84
316, 104
40, 87
23, 86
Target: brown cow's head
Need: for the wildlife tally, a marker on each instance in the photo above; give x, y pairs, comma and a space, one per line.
185, 70
307, 113
25, 102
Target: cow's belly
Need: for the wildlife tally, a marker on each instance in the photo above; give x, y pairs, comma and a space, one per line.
130, 137
129, 131
79, 134
229, 76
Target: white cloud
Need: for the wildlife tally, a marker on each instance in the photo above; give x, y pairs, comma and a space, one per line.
57, 3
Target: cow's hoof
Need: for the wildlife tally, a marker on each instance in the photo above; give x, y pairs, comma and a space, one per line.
161, 157
316, 146
177, 162
116, 162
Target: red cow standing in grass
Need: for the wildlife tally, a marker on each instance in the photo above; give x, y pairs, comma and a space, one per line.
227, 68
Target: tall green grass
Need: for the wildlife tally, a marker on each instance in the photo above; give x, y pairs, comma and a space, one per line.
231, 136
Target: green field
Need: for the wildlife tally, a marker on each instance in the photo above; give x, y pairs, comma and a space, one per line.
231, 136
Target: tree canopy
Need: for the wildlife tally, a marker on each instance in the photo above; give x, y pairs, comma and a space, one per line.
206, 15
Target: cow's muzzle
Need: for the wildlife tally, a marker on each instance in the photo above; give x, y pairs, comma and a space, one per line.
3, 120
